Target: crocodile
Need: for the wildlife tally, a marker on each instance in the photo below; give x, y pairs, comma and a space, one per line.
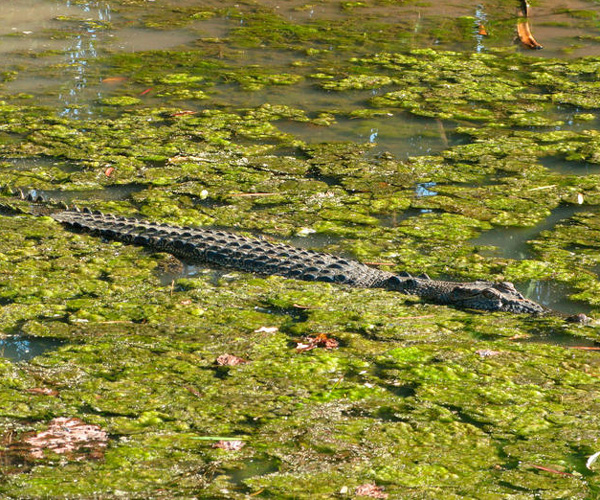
225, 249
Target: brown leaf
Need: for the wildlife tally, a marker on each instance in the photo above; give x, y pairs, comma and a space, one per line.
43, 390
109, 171
229, 360
370, 490
112, 80
68, 436
146, 91
524, 33
321, 340
183, 113
523, 29
229, 445
481, 30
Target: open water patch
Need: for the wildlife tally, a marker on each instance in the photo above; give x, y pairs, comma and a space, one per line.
562, 340
511, 242
25, 347
41, 163
425, 189
554, 295
394, 219
569, 167
168, 275
110, 193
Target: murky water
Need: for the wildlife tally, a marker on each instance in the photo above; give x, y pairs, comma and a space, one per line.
94, 28
566, 167
511, 242
553, 295
116, 192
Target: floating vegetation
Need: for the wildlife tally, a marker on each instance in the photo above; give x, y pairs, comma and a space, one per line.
165, 380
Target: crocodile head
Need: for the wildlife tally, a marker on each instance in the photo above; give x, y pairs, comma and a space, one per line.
493, 297
483, 295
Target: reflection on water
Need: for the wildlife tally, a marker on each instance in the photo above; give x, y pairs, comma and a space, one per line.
553, 295
78, 57
479, 28
424, 189
24, 348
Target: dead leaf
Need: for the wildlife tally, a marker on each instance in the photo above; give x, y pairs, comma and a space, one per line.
146, 91
524, 30
113, 80
481, 30
370, 490
321, 340
108, 172
183, 113
229, 360
229, 445
68, 436
43, 390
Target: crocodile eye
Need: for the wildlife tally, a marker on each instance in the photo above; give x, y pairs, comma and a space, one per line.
506, 286
489, 293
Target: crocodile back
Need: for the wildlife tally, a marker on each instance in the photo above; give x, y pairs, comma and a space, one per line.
226, 249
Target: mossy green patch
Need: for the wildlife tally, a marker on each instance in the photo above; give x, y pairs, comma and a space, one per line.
425, 400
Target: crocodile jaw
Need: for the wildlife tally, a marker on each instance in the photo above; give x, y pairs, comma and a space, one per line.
483, 295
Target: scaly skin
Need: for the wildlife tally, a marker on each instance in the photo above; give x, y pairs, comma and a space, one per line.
230, 250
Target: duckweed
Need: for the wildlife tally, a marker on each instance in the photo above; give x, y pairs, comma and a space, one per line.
425, 400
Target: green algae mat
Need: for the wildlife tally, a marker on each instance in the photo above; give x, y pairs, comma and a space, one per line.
385, 131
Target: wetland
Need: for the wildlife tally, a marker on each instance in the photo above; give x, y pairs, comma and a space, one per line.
393, 132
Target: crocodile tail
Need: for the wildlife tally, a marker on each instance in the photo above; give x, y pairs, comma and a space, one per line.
224, 249
161, 237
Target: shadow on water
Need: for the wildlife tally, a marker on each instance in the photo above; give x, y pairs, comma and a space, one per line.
24, 347
511, 242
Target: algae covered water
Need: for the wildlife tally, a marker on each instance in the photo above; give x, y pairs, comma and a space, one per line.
410, 135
